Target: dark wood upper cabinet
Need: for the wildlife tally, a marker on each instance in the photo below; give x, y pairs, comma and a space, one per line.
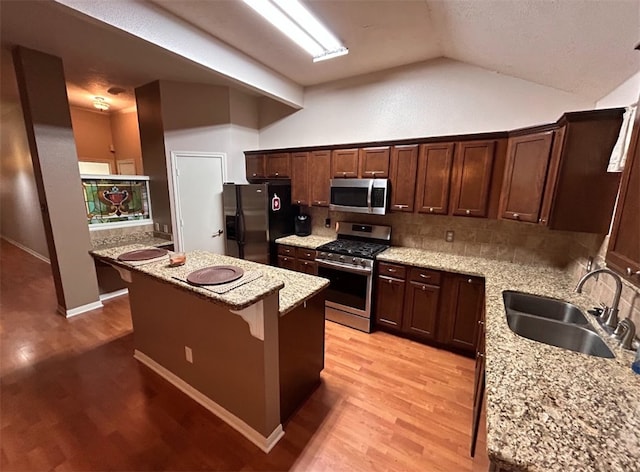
374, 162
579, 193
278, 165
299, 178
255, 166
525, 176
471, 181
434, 178
344, 163
402, 173
319, 173
623, 253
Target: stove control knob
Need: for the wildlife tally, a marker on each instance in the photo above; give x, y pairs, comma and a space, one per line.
354, 260
322, 254
342, 258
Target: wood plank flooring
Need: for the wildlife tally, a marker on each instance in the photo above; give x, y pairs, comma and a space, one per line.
73, 398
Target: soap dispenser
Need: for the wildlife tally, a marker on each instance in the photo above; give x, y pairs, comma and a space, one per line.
635, 366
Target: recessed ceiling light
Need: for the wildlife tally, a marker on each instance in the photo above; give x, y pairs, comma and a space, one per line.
100, 103
299, 24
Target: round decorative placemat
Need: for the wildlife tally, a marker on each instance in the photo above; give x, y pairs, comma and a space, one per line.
142, 254
215, 275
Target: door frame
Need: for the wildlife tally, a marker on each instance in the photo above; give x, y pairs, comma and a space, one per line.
173, 187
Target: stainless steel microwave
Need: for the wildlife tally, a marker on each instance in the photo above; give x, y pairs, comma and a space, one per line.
360, 195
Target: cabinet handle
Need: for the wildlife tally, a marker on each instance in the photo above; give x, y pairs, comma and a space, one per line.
298, 202
306, 263
516, 216
631, 273
469, 281
468, 212
401, 206
542, 220
285, 258
479, 355
425, 276
480, 322
344, 174
389, 269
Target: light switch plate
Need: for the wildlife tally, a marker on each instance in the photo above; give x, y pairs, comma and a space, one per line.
448, 236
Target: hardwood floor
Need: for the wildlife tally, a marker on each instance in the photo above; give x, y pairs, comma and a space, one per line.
73, 398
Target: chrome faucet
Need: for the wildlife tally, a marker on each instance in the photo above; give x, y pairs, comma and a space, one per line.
609, 315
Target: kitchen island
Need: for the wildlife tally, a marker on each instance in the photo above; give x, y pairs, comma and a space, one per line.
251, 355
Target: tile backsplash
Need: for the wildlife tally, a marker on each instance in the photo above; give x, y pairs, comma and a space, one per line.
504, 240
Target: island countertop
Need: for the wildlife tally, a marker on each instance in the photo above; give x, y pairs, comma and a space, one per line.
547, 408
294, 287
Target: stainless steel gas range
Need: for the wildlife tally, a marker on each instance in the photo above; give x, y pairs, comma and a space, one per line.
348, 263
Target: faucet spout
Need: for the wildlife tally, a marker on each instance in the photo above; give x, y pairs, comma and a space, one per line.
612, 313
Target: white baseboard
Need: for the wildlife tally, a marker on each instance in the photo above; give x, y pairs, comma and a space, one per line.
110, 295
26, 249
80, 309
264, 443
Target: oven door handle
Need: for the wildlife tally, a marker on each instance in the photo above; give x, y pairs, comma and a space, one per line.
333, 265
369, 195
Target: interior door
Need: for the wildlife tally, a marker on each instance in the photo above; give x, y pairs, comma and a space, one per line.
198, 199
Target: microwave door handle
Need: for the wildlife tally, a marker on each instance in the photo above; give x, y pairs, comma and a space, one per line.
369, 195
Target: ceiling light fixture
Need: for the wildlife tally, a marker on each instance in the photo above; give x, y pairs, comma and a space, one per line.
299, 24
100, 103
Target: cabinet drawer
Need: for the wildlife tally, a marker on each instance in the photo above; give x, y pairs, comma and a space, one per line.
287, 262
303, 253
425, 276
392, 270
286, 250
308, 267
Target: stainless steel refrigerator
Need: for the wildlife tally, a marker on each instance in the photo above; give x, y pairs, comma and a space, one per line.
255, 216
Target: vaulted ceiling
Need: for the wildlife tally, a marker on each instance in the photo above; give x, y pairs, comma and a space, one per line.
578, 46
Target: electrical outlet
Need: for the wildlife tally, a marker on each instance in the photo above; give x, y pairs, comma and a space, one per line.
448, 236
188, 354
165, 228
156, 226
327, 222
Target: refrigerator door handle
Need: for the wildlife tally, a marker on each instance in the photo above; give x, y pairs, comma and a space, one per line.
240, 235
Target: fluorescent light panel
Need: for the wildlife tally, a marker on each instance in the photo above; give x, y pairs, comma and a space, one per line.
300, 26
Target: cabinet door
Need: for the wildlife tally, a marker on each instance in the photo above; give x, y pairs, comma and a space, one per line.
472, 167
308, 267
390, 302
374, 162
344, 163
525, 175
287, 262
299, 178
255, 166
465, 305
319, 175
278, 165
421, 309
623, 253
434, 177
478, 389
404, 166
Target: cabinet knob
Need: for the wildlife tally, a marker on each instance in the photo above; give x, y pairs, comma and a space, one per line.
390, 270
425, 276
298, 202
254, 174
468, 212
389, 281
480, 322
479, 355
516, 216
631, 273
424, 287
430, 209
277, 174
344, 174
542, 220
469, 281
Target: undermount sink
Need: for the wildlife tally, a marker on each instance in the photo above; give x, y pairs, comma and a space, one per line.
543, 307
554, 322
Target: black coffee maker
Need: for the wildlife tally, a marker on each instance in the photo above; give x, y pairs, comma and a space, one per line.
303, 225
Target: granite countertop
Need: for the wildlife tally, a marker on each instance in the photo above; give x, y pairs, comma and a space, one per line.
146, 238
294, 287
547, 408
307, 242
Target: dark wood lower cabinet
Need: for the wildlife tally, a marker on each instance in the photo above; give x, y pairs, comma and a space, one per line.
478, 389
426, 305
390, 302
298, 259
421, 311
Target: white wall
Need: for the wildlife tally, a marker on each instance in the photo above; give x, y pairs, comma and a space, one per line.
623, 95
20, 217
433, 98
